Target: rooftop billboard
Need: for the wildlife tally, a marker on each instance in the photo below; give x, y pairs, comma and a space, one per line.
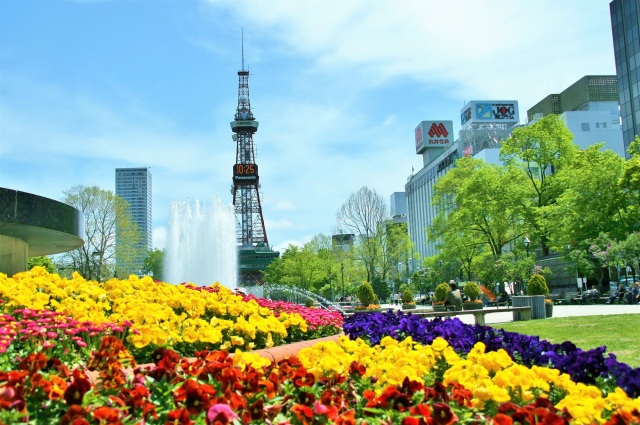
484, 111
433, 134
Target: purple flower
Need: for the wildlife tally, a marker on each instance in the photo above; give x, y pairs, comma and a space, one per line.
587, 367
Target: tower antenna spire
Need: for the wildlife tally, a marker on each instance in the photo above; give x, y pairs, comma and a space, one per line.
242, 32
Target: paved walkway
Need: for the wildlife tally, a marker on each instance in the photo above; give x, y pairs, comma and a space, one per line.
558, 311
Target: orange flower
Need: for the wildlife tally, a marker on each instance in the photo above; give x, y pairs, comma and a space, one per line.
54, 387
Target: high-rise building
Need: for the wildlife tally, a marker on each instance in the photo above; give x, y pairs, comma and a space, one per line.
625, 25
134, 186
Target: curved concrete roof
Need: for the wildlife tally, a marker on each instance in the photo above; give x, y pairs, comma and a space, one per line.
47, 225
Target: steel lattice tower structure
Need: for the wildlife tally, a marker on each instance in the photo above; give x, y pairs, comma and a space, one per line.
253, 245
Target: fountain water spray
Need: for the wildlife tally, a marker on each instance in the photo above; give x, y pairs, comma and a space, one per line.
201, 244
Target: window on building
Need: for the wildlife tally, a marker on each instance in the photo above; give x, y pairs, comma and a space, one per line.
585, 126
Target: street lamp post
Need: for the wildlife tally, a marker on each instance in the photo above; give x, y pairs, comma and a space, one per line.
330, 286
96, 257
342, 272
526, 242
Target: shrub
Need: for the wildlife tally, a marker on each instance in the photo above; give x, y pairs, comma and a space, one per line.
441, 291
537, 285
365, 294
471, 290
407, 296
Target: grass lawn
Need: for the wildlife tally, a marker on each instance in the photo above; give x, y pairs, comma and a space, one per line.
619, 333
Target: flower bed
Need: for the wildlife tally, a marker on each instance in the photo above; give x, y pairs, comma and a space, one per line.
389, 368
185, 317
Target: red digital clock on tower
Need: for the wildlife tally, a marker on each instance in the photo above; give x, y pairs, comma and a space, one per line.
245, 173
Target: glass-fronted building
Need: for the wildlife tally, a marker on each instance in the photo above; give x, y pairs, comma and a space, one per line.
134, 186
625, 24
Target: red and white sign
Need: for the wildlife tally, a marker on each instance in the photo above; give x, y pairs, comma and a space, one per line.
433, 134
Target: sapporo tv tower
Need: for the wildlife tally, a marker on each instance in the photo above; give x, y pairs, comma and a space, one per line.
254, 254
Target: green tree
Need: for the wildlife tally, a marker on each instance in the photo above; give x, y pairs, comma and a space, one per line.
478, 216
630, 187
397, 252
154, 264
592, 201
42, 261
381, 288
424, 280
105, 215
539, 151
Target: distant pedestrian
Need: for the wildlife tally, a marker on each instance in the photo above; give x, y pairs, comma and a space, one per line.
453, 300
617, 295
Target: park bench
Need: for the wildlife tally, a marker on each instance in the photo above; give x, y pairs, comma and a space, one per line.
567, 298
519, 313
497, 304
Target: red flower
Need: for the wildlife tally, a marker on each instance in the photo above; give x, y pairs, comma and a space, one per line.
357, 369
412, 420
306, 398
179, 417
461, 395
33, 362
254, 411
76, 391
195, 397
304, 413
443, 415
303, 379
75, 415
107, 415
421, 410
502, 419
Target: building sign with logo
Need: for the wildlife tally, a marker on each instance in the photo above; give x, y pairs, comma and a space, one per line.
478, 111
433, 134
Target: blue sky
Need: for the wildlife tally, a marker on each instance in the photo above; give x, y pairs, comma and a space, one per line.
337, 86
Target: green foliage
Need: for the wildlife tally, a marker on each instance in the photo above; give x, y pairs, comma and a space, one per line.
365, 294
441, 291
537, 285
423, 279
539, 152
154, 264
381, 288
471, 290
407, 296
42, 262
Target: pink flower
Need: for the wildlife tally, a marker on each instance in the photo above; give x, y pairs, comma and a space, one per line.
222, 413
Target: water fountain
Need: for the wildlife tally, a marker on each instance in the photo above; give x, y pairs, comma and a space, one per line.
201, 244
